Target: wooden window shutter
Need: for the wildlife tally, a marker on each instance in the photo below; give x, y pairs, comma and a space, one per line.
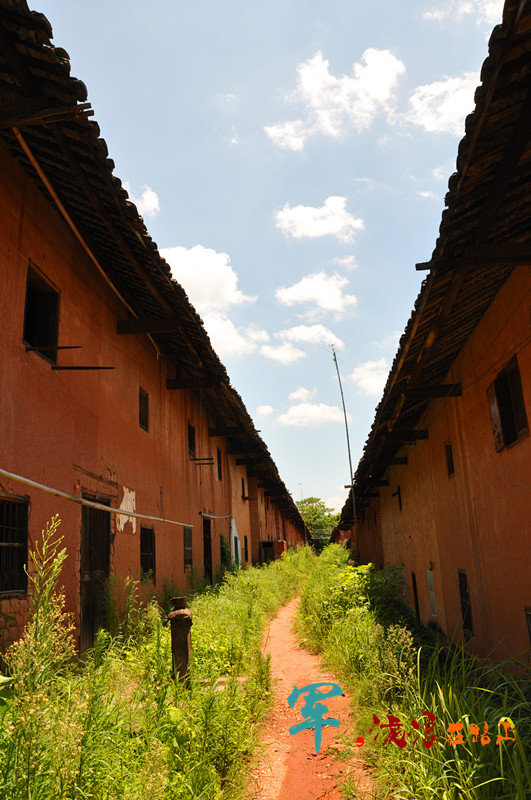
517, 397
497, 431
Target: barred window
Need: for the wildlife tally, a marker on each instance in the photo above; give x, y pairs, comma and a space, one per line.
147, 554
187, 531
13, 545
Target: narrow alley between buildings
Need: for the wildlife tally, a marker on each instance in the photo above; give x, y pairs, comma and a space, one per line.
289, 766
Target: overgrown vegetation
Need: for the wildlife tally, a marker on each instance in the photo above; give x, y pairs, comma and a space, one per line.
354, 616
115, 725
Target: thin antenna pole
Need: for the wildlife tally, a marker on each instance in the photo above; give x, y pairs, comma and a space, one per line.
349, 455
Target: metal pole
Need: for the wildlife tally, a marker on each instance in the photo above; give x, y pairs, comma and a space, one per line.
349, 455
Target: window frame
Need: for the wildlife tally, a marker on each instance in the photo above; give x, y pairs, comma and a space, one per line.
188, 558
148, 573
192, 445
464, 600
450, 464
36, 282
19, 548
143, 409
219, 463
507, 406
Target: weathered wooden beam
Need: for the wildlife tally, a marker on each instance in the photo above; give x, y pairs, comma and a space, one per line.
434, 390
390, 461
52, 347
370, 494
229, 430
379, 482
55, 367
249, 461
148, 325
406, 435
486, 255
37, 111
190, 383
440, 264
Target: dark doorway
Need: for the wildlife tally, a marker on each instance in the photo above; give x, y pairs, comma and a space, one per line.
207, 549
95, 564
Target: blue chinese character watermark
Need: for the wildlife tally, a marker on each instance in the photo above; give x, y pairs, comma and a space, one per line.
313, 710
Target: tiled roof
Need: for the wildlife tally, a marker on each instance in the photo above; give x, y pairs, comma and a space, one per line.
45, 121
485, 232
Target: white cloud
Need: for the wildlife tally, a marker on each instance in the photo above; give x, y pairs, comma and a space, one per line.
310, 415
264, 411
370, 377
206, 276
312, 334
234, 139
284, 353
330, 219
334, 102
389, 341
229, 340
325, 292
335, 502
348, 262
438, 173
302, 395
441, 107
148, 204
426, 194
489, 11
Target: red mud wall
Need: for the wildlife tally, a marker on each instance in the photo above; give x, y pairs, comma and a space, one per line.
478, 519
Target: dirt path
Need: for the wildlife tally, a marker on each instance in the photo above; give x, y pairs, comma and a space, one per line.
290, 767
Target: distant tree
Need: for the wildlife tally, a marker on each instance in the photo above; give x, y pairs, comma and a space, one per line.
319, 519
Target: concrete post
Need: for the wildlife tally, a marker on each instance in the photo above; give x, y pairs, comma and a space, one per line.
181, 645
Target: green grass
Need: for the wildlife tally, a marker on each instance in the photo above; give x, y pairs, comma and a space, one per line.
115, 725
352, 615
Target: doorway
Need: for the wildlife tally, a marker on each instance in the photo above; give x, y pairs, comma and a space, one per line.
95, 567
207, 549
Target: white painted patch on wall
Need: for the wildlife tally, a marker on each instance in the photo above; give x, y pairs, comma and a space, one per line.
128, 504
236, 544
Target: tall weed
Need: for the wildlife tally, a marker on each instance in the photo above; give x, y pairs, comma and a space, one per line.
355, 617
116, 725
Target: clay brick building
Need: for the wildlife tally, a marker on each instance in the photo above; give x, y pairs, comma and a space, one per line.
442, 488
111, 394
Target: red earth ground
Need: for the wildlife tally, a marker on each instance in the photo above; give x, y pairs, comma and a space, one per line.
289, 767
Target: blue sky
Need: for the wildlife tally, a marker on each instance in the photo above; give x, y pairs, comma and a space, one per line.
290, 159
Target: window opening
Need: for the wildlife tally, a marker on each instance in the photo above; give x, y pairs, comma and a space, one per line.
449, 459
466, 608
187, 536
220, 473
398, 494
41, 316
13, 545
143, 409
147, 554
191, 441
246, 551
528, 616
507, 407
